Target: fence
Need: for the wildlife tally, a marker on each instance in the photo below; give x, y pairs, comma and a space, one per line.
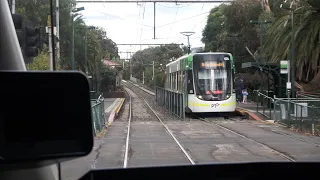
300, 113
173, 101
264, 103
98, 113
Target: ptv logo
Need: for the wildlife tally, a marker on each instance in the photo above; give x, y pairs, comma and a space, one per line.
215, 105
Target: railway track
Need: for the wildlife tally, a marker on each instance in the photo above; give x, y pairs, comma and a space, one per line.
131, 118
238, 119
280, 133
214, 122
219, 125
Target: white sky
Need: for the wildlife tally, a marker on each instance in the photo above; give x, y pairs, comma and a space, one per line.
124, 22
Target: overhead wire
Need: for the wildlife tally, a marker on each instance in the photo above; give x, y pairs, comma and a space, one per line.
118, 17
144, 8
198, 23
139, 19
176, 7
183, 19
106, 17
175, 16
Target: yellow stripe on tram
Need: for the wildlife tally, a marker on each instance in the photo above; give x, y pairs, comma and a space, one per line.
208, 105
227, 104
199, 104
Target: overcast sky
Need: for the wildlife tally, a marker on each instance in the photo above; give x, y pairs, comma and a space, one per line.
127, 23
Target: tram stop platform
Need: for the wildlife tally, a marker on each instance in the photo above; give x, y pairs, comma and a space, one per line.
112, 108
250, 111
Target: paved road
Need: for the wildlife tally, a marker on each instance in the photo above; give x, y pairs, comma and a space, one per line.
297, 146
211, 144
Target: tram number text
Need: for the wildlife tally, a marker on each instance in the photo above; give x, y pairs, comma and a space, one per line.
215, 105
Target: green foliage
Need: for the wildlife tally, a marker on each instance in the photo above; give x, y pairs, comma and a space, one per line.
41, 62
161, 55
306, 37
91, 44
226, 21
215, 26
229, 20
108, 77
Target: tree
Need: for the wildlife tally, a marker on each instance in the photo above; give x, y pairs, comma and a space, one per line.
41, 62
306, 36
98, 45
142, 61
226, 21
214, 27
35, 13
228, 29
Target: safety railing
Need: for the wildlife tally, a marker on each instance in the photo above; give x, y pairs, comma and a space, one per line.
302, 114
264, 103
98, 114
173, 101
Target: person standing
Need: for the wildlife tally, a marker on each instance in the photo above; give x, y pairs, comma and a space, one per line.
245, 96
240, 87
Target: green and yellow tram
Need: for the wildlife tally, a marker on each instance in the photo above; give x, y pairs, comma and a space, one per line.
206, 78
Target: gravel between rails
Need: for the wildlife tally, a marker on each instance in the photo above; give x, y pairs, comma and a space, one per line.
161, 111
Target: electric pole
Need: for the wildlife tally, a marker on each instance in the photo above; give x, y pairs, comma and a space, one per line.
188, 34
153, 79
48, 29
58, 30
13, 6
142, 77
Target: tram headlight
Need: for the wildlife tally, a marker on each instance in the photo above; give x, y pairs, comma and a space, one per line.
227, 96
199, 97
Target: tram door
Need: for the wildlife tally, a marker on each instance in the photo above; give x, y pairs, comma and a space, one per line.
190, 90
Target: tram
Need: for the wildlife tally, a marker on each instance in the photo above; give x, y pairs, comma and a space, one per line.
206, 79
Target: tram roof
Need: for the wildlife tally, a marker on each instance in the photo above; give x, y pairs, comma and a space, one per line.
191, 54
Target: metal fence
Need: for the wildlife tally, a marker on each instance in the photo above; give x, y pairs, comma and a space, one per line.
98, 113
300, 113
173, 101
264, 103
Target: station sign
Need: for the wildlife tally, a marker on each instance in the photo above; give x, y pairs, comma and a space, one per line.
284, 67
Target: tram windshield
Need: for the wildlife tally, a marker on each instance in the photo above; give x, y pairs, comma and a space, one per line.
212, 76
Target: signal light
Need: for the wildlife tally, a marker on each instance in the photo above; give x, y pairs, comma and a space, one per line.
17, 21
32, 41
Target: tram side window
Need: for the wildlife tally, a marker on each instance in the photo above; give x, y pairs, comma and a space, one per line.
184, 82
173, 81
179, 80
170, 81
177, 77
190, 83
167, 81
177, 73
